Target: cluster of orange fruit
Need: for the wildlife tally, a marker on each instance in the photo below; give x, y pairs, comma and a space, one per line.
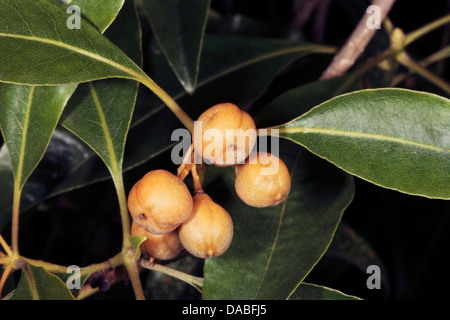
173, 219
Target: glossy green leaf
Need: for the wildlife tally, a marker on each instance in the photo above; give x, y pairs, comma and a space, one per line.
99, 12
28, 117
273, 249
180, 39
13, 94
100, 111
37, 47
395, 138
308, 291
260, 60
37, 284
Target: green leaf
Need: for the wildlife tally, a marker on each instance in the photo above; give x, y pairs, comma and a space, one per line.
179, 27
395, 138
260, 60
44, 95
273, 249
100, 115
37, 284
100, 112
308, 291
233, 68
28, 117
136, 242
37, 48
99, 12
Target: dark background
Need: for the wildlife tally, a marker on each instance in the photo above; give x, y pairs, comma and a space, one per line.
409, 234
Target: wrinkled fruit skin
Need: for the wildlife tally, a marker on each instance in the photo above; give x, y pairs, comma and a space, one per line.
208, 231
226, 135
160, 202
263, 180
159, 246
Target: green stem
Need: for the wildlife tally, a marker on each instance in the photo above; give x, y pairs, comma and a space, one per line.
169, 101
50, 267
127, 258
124, 215
414, 35
196, 282
133, 272
15, 220
406, 61
433, 58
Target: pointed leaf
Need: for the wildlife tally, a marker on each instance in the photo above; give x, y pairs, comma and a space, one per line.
273, 249
234, 69
181, 39
37, 284
100, 111
395, 138
109, 12
37, 47
256, 59
28, 117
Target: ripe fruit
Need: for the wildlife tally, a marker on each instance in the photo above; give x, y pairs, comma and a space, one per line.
263, 180
224, 135
208, 231
160, 201
159, 246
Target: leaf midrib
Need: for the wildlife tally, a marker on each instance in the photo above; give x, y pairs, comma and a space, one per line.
133, 74
356, 134
26, 124
277, 234
109, 144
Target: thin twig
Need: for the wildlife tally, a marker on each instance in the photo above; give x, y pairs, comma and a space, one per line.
356, 43
196, 282
5, 275
406, 61
5, 246
414, 35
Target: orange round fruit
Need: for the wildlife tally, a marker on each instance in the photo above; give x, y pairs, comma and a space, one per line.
224, 135
209, 230
159, 246
160, 202
263, 180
